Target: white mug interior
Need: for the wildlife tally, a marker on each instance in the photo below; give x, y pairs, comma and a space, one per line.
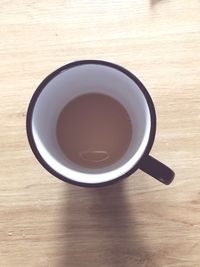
78, 80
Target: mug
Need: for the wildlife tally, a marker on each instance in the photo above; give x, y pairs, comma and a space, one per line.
93, 76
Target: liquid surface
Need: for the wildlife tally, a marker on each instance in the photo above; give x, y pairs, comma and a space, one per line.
94, 130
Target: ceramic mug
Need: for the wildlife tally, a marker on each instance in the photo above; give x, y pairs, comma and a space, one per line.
93, 76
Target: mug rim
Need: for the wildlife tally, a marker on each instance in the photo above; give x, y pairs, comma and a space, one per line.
51, 76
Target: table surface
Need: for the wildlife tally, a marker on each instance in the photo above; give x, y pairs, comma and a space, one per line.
137, 222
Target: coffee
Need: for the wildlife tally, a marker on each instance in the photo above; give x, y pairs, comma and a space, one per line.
94, 130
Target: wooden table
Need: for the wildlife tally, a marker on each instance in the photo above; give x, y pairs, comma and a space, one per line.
137, 222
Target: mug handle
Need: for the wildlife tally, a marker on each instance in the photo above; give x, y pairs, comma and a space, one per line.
157, 170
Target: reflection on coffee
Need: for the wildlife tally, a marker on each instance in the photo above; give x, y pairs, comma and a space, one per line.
94, 130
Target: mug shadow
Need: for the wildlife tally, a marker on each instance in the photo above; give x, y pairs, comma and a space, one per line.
100, 229
154, 2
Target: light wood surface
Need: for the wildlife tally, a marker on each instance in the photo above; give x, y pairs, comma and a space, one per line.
137, 222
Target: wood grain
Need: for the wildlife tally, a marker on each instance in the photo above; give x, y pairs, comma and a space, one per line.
135, 223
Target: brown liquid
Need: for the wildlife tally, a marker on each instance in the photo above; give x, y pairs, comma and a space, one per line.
94, 130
